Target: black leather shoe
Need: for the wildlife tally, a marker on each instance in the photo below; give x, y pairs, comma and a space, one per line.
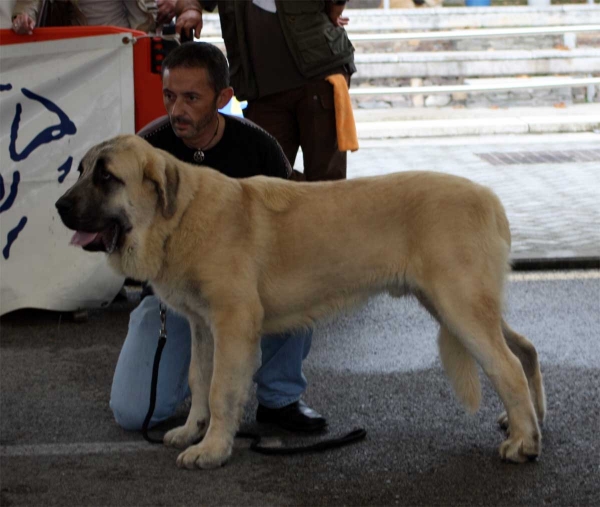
294, 417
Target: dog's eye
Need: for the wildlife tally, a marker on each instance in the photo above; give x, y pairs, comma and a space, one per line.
105, 175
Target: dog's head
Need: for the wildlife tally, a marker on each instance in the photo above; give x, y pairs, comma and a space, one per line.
124, 185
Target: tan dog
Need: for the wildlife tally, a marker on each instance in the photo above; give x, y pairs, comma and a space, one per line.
263, 255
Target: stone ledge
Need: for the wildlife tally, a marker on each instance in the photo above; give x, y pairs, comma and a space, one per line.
469, 56
450, 113
477, 63
477, 126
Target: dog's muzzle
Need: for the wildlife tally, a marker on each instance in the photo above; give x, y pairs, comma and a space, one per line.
104, 238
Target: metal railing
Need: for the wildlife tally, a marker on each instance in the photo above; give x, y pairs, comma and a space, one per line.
474, 33
430, 90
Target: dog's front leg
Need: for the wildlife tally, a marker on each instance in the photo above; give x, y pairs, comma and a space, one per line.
236, 351
200, 374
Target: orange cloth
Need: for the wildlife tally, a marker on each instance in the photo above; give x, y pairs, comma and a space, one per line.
344, 117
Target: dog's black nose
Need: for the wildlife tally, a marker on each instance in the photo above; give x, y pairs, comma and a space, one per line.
64, 205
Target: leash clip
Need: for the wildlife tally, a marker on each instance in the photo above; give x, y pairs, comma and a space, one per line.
163, 322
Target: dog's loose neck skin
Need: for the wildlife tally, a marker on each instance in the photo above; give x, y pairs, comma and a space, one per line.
147, 254
143, 254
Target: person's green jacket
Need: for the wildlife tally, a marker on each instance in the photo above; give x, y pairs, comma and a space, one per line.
316, 44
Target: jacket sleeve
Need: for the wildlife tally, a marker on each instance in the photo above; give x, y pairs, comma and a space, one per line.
29, 7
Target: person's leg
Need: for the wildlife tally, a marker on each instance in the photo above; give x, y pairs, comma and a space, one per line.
130, 393
276, 114
279, 380
318, 134
281, 383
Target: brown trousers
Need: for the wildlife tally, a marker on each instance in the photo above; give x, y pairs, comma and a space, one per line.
303, 117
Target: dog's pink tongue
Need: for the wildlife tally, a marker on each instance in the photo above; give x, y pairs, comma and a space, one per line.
83, 238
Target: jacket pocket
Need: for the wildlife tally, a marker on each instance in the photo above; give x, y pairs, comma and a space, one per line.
314, 49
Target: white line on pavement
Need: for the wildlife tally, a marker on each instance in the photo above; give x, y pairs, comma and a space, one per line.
554, 275
10, 451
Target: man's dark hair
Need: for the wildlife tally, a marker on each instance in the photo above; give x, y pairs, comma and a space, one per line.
191, 55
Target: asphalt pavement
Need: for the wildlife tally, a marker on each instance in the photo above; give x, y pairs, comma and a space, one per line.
376, 368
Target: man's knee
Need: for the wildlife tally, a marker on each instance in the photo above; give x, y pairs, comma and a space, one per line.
127, 415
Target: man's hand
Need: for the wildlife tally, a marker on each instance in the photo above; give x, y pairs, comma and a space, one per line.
188, 21
23, 24
340, 20
189, 17
335, 14
166, 11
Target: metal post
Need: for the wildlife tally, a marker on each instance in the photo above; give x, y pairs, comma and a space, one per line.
591, 92
570, 40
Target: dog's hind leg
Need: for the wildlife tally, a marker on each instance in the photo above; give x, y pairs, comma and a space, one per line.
473, 314
527, 354
200, 373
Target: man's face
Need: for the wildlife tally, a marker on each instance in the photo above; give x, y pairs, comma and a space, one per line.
190, 101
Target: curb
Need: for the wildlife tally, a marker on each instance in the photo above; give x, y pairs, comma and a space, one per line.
561, 264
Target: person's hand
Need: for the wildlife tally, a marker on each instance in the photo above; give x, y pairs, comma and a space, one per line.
335, 15
340, 20
166, 11
188, 20
23, 24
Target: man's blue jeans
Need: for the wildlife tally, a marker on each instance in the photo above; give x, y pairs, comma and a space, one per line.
279, 380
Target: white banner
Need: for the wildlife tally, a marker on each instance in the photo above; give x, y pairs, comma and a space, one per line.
57, 99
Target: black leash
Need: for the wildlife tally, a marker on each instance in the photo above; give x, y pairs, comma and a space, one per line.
324, 445
162, 340
332, 443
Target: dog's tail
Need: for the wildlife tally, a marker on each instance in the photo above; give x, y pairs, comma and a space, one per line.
461, 368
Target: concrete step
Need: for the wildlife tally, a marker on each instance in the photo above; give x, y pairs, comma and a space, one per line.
529, 96
484, 42
518, 95
477, 63
445, 122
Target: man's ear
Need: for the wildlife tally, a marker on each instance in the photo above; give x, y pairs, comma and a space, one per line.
224, 97
163, 172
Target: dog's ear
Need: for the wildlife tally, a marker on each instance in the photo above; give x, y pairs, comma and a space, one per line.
164, 174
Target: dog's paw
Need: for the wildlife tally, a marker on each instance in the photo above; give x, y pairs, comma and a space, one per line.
520, 449
204, 455
185, 435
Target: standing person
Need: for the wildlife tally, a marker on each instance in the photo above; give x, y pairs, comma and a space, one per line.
124, 13
195, 87
280, 53
6, 9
